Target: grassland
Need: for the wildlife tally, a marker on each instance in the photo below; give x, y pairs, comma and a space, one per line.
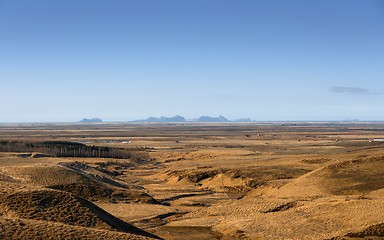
197, 181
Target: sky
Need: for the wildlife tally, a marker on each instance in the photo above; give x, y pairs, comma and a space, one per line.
120, 60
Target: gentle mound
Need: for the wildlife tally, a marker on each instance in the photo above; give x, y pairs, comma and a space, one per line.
339, 199
53, 206
11, 228
53, 176
372, 232
240, 179
58, 206
77, 178
354, 177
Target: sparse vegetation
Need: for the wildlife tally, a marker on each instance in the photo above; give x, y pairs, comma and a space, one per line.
198, 181
68, 149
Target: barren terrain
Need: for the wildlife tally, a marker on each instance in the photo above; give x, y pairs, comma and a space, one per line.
196, 181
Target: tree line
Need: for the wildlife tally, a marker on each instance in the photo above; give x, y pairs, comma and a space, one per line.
66, 149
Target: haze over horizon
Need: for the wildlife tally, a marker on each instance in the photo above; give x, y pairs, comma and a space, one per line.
127, 60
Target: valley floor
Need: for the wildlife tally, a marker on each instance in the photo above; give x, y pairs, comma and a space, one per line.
197, 181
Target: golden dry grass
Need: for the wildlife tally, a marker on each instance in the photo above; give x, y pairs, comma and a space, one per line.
13, 228
20, 201
228, 181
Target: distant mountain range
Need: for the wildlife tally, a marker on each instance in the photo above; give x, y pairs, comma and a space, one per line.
91, 120
176, 118
212, 119
179, 118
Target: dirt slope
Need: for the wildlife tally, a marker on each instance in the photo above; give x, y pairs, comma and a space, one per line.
28, 202
77, 178
11, 228
331, 201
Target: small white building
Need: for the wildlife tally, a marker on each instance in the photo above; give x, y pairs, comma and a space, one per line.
377, 140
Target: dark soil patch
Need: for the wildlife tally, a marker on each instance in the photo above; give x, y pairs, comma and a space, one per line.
197, 176
282, 208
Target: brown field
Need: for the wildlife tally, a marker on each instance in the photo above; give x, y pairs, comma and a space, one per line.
197, 181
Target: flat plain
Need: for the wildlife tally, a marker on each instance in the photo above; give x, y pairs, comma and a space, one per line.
196, 181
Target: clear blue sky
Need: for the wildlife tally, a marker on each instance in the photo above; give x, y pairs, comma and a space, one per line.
131, 59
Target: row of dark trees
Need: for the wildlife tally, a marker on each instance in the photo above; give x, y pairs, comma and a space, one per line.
66, 149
